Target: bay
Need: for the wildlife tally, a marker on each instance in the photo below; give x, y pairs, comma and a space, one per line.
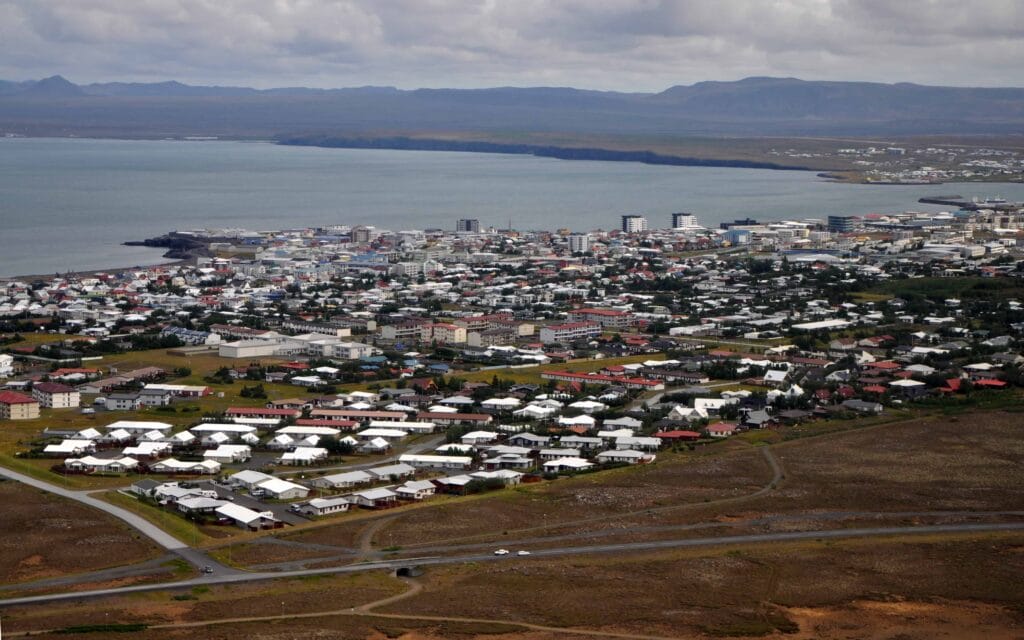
68, 204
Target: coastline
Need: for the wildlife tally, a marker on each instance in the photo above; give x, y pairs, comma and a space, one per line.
92, 272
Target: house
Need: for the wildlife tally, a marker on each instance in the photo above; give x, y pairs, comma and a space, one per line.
375, 498
249, 479
477, 419
327, 506
720, 429
474, 438
170, 465
562, 465
279, 489
147, 449
123, 402
529, 440
342, 480
757, 419
508, 461
199, 504
392, 471
69, 448
53, 395
628, 456
153, 397
228, 453
245, 517
641, 443
139, 426
303, 456
18, 406
144, 487
580, 442
89, 464
555, 454
416, 490
677, 435
862, 406
436, 462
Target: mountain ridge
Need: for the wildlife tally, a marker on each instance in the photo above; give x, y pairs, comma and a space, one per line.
751, 106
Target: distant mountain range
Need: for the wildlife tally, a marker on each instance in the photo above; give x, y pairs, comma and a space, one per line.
750, 107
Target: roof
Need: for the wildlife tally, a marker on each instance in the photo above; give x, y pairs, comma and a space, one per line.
13, 397
53, 387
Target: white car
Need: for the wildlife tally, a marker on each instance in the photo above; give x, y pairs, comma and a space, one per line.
501, 552
522, 552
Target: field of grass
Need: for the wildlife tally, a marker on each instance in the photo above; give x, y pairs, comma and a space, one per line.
531, 375
963, 287
43, 536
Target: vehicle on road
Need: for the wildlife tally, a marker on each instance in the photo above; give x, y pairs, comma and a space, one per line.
522, 552
207, 569
501, 552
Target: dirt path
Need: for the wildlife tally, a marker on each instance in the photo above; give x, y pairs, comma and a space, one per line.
365, 541
360, 612
414, 589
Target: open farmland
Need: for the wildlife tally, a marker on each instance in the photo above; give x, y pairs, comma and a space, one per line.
42, 536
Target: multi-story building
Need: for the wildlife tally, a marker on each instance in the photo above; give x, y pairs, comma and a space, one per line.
468, 225
634, 224
607, 318
17, 406
53, 395
579, 242
684, 221
569, 332
842, 224
445, 333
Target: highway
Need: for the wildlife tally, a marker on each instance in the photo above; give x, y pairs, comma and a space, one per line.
605, 549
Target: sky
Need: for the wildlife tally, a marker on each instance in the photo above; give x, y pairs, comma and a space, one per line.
623, 45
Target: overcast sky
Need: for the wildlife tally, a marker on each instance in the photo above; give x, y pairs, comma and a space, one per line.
630, 45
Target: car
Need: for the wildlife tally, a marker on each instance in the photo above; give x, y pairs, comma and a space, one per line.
522, 552
207, 569
501, 552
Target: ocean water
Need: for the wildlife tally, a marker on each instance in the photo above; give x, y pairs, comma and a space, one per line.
68, 204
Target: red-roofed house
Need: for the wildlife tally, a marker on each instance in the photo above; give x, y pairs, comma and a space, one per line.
720, 429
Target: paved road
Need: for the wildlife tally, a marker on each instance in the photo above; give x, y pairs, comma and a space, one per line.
605, 549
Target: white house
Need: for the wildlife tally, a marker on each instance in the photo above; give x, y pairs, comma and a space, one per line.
416, 490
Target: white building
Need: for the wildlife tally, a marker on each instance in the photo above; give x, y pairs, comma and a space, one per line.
634, 224
684, 221
579, 242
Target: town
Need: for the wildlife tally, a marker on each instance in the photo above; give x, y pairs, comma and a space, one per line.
371, 368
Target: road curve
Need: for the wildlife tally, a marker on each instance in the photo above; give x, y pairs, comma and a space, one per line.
789, 536
140, 524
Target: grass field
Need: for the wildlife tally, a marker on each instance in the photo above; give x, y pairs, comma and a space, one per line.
43, 536
965, 288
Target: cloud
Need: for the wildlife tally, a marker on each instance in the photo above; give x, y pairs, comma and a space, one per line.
631, 45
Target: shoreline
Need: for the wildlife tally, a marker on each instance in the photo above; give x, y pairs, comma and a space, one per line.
92, 272
557, 152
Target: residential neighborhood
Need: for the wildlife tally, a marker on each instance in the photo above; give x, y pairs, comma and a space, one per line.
356, 368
